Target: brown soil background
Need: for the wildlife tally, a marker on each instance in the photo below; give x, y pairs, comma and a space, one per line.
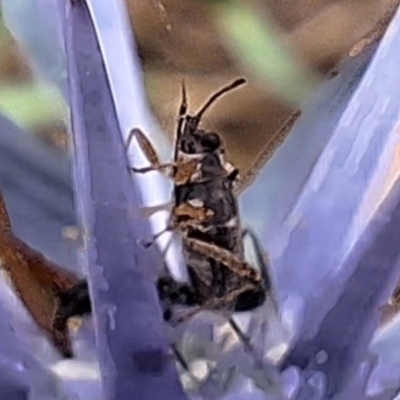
179, 39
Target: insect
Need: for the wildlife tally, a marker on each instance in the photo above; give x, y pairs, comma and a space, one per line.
205, 213
50, 293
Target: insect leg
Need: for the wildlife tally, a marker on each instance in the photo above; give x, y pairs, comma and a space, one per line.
263, 262
165, 169
180, 358
182, 362
221, 303
167, 247
255, 294
262, 257
256, 282
266, 153
242, 336
157, 235
219, 254
144, 144
150, 154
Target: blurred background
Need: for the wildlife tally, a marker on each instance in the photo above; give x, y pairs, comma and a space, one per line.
286, 49
198, 42
296, 44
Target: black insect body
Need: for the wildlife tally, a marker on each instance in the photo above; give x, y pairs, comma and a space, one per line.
205, 213
216, 284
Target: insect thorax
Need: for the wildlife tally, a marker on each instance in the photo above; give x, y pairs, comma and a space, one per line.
209, 189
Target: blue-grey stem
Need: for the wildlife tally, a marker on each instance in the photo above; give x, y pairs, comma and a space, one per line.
341, 268
133, 350
347, 329
314, 193
38, 192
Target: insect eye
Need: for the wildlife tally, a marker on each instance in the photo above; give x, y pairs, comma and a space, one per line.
188, 145
210, 141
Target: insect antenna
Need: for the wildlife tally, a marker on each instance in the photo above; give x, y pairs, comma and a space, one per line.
184, 105
215, 96
181, 119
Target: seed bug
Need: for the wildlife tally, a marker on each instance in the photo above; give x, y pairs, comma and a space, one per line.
50, 293
205, 213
